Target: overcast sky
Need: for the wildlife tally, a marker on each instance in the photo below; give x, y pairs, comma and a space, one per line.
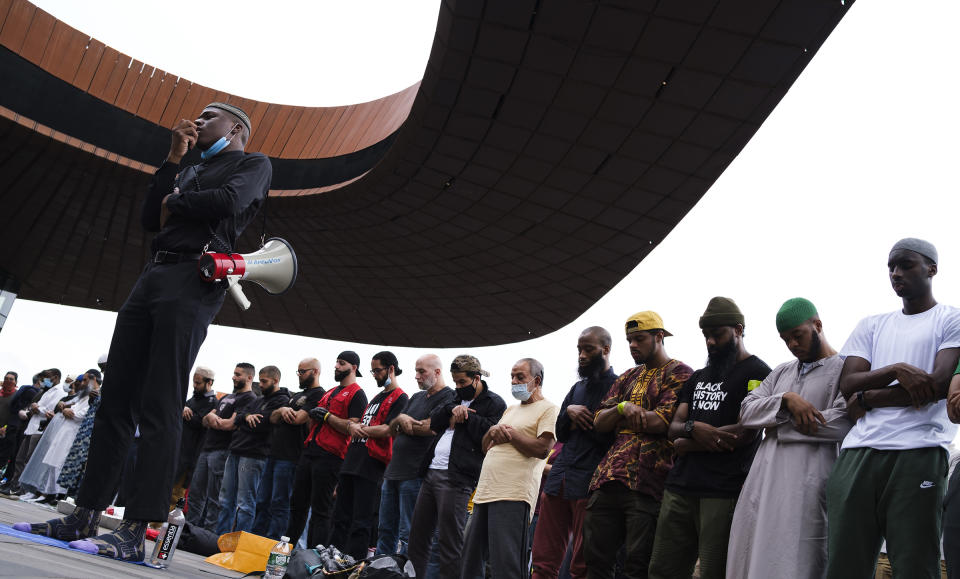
861, 152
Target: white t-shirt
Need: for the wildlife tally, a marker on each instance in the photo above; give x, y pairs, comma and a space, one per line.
886, 339
441, 454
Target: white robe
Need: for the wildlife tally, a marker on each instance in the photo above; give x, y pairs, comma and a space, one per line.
779, 528
42, 470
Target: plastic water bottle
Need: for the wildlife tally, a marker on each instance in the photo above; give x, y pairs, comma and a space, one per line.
278, 560
169, 537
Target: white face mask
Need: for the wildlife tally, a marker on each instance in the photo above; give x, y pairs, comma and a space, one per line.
520, 392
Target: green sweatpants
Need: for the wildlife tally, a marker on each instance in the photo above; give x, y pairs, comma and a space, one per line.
691, 528
893, 494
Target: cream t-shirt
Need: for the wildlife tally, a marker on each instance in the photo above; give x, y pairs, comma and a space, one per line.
508, 475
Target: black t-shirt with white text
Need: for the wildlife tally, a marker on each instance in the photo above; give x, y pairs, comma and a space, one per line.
226, 407
358, 461
717, 474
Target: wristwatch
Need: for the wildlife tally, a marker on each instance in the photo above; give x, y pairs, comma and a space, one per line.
688, 429
863, 403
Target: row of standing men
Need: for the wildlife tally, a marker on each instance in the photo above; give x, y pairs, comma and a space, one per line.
662, 465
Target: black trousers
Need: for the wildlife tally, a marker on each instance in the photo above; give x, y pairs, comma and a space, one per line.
313, 484
159, 331
11, 445
497, 533
354, 515
616, 518
441, 507
128, 481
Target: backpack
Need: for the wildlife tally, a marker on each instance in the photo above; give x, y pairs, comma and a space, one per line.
304, 563
387, 567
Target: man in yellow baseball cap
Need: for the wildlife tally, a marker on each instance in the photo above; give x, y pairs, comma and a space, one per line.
628, 484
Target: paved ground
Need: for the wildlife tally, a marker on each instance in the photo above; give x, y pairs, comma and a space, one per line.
26, 560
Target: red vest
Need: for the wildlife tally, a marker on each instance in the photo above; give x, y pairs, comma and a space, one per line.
337, 401
382, 448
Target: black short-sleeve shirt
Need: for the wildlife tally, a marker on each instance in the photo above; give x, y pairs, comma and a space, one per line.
408, 451
717, 474
358, 461
226, 407
287, 439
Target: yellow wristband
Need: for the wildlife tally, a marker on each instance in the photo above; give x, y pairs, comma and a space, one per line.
326, 416
620, 407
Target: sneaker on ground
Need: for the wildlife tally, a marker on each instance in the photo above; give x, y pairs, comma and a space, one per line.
27, 496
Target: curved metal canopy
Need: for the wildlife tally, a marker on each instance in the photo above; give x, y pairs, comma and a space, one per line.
549, 148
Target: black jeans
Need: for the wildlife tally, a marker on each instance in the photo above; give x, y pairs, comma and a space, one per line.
354, 515
313, 485
617, 516
441, 506
498, 532
159, 331
16, 440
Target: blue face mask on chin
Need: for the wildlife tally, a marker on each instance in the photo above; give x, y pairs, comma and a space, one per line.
215, 148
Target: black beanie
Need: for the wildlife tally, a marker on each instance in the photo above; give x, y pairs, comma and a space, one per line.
721, 312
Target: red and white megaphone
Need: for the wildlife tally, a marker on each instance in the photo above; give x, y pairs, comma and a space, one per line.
272, 267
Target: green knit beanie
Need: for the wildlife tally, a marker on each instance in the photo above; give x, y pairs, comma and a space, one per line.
721, 312
794, 312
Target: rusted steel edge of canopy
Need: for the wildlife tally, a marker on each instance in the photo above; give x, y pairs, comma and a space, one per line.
283, 132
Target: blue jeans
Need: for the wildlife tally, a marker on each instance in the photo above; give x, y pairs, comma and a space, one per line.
238, 495
397, 500
273, 498
302, 541
204, 507
433, 568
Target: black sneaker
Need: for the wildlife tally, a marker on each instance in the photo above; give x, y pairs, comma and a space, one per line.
12, 492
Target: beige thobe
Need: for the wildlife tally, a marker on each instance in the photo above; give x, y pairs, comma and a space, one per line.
779, 528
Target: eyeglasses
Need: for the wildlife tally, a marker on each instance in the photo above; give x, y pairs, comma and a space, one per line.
302, 372
377, 370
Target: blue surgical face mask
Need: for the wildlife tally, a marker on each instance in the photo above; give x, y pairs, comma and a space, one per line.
215, 148
47, 382
520, 392
66, 387
388, 382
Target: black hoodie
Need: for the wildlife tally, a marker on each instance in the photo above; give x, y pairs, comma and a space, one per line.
255, 442
466, 456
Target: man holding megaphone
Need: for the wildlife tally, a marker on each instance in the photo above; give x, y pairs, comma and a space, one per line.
162, 324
